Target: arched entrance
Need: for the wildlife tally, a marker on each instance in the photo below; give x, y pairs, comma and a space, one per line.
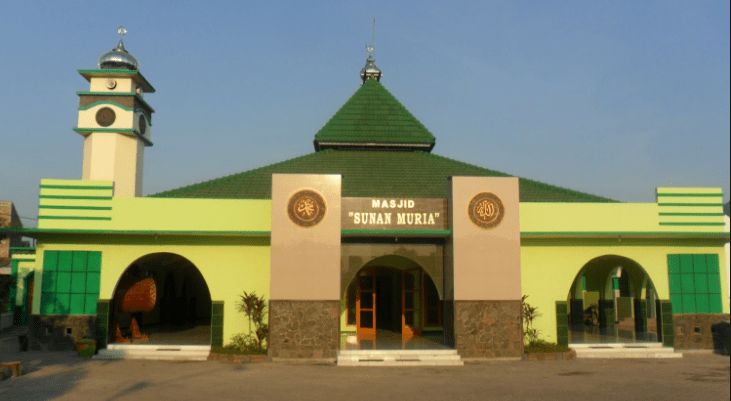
394, 304
612, 299
161, 298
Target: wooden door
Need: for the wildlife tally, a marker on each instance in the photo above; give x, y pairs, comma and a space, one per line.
411, 319
365, 305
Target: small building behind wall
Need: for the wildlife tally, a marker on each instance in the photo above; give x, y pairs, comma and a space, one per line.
370, 241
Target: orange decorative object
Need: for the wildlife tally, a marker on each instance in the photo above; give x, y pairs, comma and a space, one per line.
140, 297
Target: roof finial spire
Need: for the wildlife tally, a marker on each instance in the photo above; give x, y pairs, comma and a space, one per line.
370, 70
121, 31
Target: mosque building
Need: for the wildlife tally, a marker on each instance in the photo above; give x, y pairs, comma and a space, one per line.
371, 241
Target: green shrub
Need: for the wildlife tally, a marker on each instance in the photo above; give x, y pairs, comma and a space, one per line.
538, 346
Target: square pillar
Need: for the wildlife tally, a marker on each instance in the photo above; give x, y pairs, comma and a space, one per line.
482, 276
304, 307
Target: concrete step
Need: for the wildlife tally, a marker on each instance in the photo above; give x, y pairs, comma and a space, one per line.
155, 352
399, 358
621, 350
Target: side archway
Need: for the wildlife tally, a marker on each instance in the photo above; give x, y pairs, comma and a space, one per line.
612, 297
161, 298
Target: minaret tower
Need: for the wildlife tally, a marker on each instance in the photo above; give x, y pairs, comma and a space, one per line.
115, 121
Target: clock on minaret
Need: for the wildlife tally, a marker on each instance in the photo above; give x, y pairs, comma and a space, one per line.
115, 121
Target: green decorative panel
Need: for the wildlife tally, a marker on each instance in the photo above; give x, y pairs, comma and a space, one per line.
687, 283
686, 263
674, 281
714, 284
94, 262
689, 303
79, 261
674, 264
665, 328
92, 283
714, 301
562, 322
701, 283
102, 322
48, 301
65, 261
63, 304
78, 283
699, 264
217, 323
63, 282
50, 261
702, 304
90, 304
77, 304
677, 303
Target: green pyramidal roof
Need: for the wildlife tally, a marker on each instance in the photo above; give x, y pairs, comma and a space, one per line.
373, 118
371, 173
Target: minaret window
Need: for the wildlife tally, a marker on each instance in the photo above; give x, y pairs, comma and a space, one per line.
105, 117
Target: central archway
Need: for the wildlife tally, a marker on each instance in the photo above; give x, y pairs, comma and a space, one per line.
394, 304
170, 302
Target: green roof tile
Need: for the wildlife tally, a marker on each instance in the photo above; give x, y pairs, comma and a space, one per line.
414, 174
372, 115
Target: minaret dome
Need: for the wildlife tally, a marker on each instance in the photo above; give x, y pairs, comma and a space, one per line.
119, 58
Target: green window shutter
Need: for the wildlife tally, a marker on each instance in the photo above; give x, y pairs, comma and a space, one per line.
63, 284
94, 262
78, 283
48, 303
702, 304
687, 283
701, 283
90, 304
673, 264
686, 263
65, 261
714, 301
77, 304
689, 303
79, 261
92, 283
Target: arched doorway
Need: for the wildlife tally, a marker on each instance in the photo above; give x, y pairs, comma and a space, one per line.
178, 312
394, 304
612, 299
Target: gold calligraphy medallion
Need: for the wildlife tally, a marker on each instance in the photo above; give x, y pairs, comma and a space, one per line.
486, 210
306, 208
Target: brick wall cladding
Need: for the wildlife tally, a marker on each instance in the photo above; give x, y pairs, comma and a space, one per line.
693, 331
304, 329
56, 326
488, 329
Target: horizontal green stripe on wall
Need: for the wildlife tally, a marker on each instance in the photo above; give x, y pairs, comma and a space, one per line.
690, 204
76, 187
106, 102
690, 224
74, 218
76, 207
717, 194
75, 197
692, 214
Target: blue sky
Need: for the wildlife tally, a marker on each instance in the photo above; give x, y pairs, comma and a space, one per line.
609, 98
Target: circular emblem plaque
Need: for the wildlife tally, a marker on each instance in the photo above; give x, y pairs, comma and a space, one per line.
306, 208
486, 210
105, 117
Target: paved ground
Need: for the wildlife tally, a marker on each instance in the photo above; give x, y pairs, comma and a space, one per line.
64, 376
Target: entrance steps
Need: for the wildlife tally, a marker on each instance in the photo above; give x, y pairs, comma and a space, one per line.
422, 357
624, 350
155, 352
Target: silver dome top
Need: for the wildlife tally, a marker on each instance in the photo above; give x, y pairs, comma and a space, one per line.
119, 57
370, 70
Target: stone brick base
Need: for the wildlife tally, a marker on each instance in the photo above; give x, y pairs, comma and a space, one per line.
550, 356
304, 329
488, 329
693, 331
237, 358
59, 332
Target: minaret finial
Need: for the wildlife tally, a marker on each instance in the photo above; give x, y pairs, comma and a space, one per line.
121, 31
370, 70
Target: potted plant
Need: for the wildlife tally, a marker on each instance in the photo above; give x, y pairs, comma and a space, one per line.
86, 347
